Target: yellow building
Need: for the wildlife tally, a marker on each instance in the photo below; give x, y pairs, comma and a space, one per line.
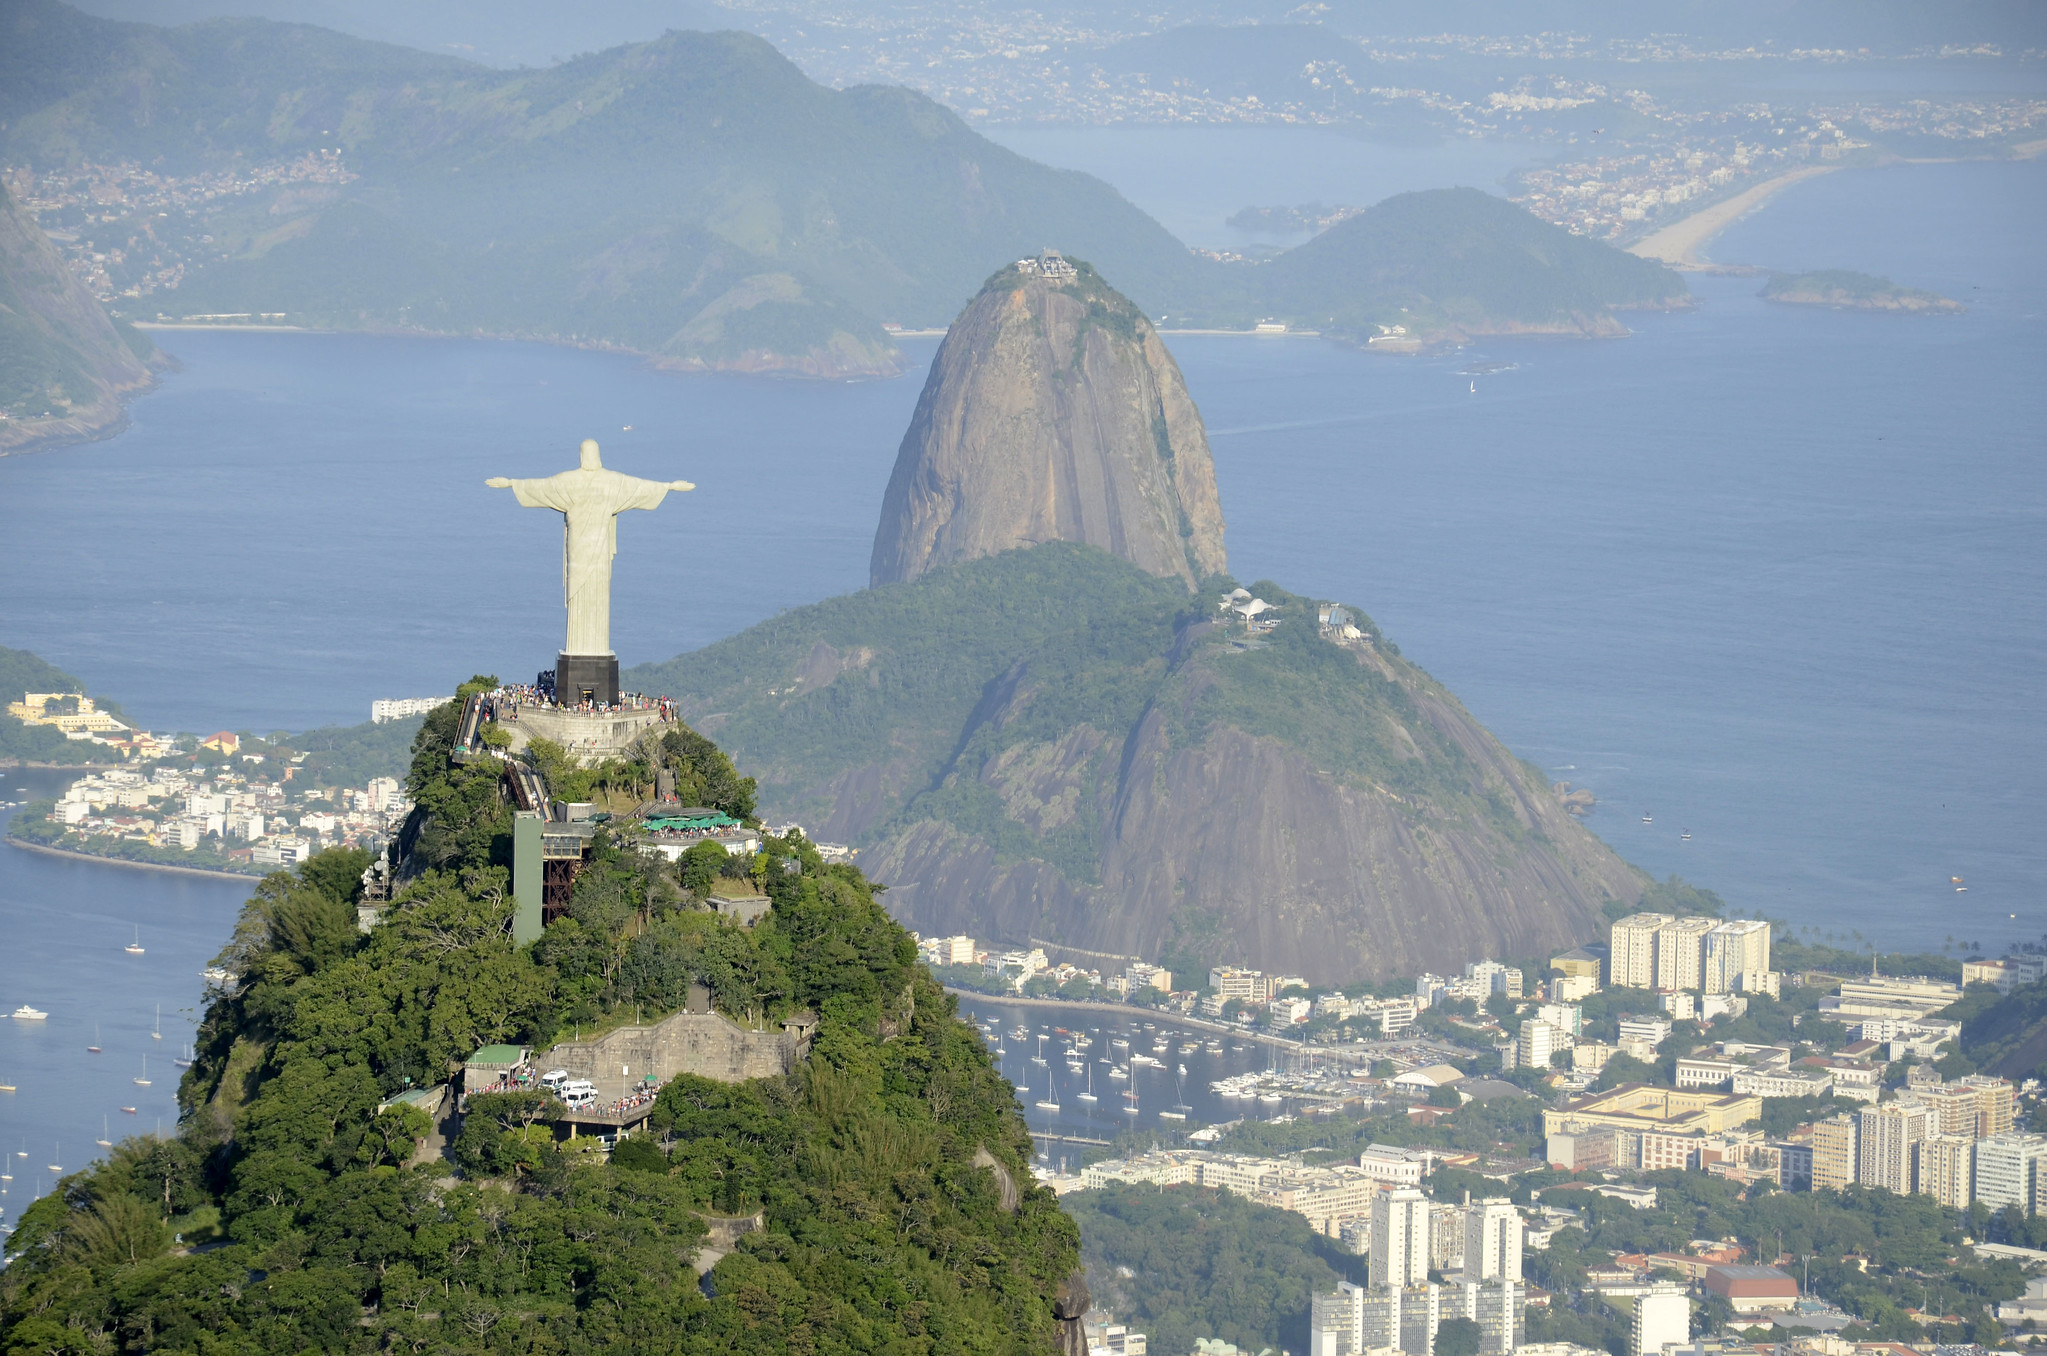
71, 712
1640, 1107
1833, 1153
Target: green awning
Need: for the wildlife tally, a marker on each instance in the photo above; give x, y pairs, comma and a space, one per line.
692, 822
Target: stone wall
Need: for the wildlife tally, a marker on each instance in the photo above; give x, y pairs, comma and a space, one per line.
589, 736
702, 1043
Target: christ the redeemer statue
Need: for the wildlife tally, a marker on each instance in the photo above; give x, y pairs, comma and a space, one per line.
590, 499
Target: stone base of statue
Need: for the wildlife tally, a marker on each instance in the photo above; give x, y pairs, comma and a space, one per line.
580, 678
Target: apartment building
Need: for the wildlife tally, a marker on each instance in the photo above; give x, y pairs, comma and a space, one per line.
2008, 1170
1400, 1238
1731, 953
1680, 947
1631, 958
1945, 1169
1492, 1240
1884, 1154
1834, 1152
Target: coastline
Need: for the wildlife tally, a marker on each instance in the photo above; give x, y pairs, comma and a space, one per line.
1159, 1015
1679, 243
14, 842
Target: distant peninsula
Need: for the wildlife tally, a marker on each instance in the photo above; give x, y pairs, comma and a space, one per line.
1846, 291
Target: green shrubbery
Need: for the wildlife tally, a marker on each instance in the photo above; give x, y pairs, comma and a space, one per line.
881, 1232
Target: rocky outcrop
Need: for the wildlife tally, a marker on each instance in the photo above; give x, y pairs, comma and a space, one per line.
1053, 412
1223, 842
64, 366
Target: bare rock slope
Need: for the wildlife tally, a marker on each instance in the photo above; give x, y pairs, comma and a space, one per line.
1052, 413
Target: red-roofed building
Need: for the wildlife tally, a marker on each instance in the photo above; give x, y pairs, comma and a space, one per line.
1752, 1289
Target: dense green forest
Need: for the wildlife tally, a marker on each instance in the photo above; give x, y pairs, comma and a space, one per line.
695, 197
1205, 1263
294, 1210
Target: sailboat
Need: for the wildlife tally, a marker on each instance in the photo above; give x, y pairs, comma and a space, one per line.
6, 1087
185, 1061
56, 1151
1180, 1091
134, 948
1050, 1101
157, 1034
143, 1081
94, 1048
1039, 1058
103, 1141
1089, 1095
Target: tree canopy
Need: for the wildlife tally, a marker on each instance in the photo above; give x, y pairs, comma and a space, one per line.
300, 1207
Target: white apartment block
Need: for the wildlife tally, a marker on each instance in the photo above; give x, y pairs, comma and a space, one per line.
1631, 962
1492, 1241
1248, 986
1540, 1043
1400, 1239
1680, 945
1731, 951
1663, 1319
1884, 1144
2008, 1170
398, 708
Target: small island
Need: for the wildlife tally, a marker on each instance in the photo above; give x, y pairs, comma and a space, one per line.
1848, 291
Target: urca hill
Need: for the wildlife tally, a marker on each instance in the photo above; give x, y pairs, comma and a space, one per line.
873, 1197
1063, 741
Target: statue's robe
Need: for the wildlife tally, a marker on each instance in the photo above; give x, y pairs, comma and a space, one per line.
590, 501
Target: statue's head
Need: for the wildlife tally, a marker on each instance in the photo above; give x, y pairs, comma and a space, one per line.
590, 462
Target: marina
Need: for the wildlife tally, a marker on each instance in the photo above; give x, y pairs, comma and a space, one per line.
1168, 1074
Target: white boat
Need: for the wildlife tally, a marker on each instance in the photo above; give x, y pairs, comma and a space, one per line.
94, 1048
1119, 1072
1172, 1115
1270, 1098
6, 1087
1089, 1095
157, 1033
134, 948
1046, 1105
25, 1013
103, 1141
1647, 820
143, 1081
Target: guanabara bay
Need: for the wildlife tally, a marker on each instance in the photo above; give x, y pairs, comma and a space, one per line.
819, 1156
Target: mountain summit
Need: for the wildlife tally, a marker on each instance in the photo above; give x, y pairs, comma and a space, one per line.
1052, 413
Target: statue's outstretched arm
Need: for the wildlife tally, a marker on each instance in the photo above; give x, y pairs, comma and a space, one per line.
499, 483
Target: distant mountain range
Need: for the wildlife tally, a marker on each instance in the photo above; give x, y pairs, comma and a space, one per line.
695, 198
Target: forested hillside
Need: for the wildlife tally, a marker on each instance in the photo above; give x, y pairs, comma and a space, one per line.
294, 1210
65, 365
1052, 743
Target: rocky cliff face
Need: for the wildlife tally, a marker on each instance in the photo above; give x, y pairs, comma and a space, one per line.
64, 367
1052, 413
1050, 745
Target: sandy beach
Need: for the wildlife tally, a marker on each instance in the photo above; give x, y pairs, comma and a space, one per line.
1678, 244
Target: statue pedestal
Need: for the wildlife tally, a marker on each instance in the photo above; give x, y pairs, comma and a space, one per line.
586, 677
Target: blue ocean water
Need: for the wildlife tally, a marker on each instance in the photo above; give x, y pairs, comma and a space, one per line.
1776, 576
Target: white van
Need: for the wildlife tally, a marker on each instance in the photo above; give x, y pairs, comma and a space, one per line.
575, 1099
553, 1079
